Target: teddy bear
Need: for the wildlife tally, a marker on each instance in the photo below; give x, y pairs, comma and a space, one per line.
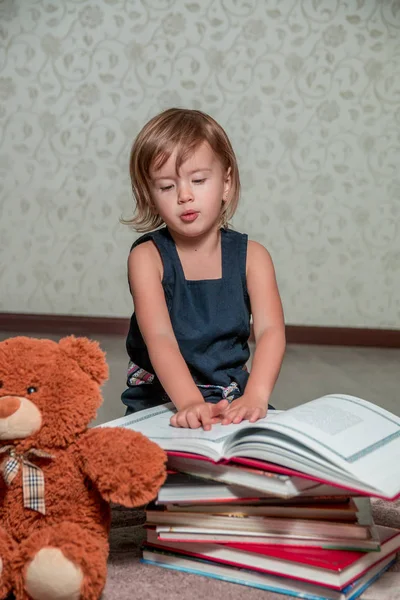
57, 476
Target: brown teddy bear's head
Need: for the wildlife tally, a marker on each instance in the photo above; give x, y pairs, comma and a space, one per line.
49, 392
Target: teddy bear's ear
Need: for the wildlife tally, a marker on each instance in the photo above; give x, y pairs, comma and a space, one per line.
88, 355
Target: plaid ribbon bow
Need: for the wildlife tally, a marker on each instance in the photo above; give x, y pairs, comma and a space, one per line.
32, 476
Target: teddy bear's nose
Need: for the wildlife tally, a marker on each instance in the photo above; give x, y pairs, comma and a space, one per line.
8, 406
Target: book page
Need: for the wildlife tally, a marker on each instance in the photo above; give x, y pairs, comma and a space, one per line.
343, 428
154, 424
353, 434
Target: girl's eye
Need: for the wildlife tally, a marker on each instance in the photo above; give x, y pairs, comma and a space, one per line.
198, 181
31, 390
166, 188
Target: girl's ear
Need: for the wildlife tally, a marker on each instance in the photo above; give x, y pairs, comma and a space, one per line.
227, 185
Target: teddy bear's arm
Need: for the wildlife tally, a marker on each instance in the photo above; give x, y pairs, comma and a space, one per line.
125, 466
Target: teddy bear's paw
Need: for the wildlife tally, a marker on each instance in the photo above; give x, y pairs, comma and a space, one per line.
51, 576
62, 562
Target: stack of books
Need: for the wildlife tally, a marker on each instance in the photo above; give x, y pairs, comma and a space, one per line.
281, 504
316, 547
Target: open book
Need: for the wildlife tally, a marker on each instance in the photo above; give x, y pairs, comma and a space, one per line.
337, 439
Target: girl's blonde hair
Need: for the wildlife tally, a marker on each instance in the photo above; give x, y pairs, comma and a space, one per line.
183, 130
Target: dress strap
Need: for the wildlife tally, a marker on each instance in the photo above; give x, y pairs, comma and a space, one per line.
235, 255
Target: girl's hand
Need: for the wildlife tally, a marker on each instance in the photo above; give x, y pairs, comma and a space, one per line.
201, 414
245, 408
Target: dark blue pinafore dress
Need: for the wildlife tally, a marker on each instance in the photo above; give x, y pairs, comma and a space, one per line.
211, 322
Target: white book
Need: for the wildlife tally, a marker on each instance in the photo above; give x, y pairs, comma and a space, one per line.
184, 488
260, 481
339, 439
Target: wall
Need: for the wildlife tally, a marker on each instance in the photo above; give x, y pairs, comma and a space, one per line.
308, 90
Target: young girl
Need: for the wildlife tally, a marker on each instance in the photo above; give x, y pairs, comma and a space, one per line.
195, 282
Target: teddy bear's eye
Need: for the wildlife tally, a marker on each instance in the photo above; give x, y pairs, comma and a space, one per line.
31, 390
1, 384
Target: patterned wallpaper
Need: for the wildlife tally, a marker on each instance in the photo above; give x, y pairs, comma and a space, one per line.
308, 91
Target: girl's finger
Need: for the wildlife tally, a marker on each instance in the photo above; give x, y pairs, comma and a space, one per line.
181, 420
219, 408
205, 418
215, 420
254, 415
172, 421
192, 420
229, 416
241, 414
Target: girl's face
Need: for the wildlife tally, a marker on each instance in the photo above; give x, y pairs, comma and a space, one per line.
190, 202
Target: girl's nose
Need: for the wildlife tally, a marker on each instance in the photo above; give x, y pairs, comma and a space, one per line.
185, 195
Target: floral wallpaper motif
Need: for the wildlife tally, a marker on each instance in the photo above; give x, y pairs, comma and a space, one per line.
308, 91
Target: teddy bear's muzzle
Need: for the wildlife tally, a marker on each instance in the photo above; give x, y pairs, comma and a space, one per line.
8, 406
19, 417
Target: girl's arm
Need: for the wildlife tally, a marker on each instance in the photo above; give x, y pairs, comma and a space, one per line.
269, 332
145, 272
